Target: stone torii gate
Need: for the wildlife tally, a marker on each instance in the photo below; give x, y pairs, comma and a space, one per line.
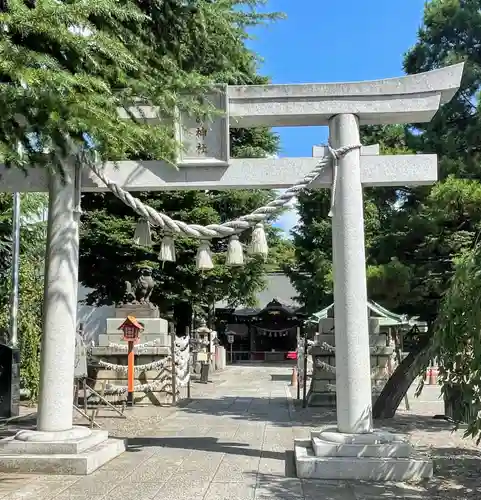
353, 449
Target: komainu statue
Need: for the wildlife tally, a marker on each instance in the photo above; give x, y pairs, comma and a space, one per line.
140, 291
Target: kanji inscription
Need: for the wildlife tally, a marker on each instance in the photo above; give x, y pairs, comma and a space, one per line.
205, 140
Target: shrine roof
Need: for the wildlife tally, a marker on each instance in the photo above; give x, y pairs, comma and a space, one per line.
278, 287
386, 317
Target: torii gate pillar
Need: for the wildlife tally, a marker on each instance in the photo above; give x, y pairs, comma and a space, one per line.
353, 380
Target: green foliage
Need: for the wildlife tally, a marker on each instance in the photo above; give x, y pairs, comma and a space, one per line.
451, 33
29, 322
456, 339
68, 67
281, 253
422, 239
108, 257
389, 282
32, 252
435, 225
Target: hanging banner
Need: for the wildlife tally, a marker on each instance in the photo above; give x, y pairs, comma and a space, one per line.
265, 332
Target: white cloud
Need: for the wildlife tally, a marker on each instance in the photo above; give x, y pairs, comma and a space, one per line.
289, 218
287, 221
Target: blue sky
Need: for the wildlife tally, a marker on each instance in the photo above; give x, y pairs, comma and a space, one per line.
327, 41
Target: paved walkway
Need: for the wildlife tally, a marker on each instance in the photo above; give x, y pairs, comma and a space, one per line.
235, 442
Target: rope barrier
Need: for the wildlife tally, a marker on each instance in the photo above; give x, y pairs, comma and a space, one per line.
236, 226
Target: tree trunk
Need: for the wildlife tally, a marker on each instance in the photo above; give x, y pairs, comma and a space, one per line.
398, 384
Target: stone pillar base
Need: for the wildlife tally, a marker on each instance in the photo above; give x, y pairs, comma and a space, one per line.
379, 456
79, 451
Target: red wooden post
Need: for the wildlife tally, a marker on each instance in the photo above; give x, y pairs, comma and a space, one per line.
130, 374
131, 328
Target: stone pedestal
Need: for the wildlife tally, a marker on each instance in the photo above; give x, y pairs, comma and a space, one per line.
155, 330
377, 456
103, 378
220, 358
79, 451
138, 310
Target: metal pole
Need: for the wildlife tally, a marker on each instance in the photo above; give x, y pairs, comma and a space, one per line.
187, 334
15, 270
173, 361
304, 380
298, 340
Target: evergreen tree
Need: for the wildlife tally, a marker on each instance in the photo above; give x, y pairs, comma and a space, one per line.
451, 33
68, 67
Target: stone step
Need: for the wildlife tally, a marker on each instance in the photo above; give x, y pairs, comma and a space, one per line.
105, 340
322, 399
329, 383
328, 399
378, 363
80, 464
147, 353
155, 398
324, 448
326, 376
12, 446
113, 376
151, 325
308, 466
376, 352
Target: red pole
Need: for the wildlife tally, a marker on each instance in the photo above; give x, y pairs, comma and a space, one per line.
130, 374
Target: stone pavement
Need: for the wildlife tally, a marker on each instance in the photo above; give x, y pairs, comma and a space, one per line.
234, 441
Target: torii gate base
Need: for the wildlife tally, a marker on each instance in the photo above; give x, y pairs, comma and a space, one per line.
350, 451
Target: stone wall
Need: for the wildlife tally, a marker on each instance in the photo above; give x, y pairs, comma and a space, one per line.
102, 378
92, 319
322, 391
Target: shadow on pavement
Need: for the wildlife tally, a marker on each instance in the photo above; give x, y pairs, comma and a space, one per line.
207, 444
274, 410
